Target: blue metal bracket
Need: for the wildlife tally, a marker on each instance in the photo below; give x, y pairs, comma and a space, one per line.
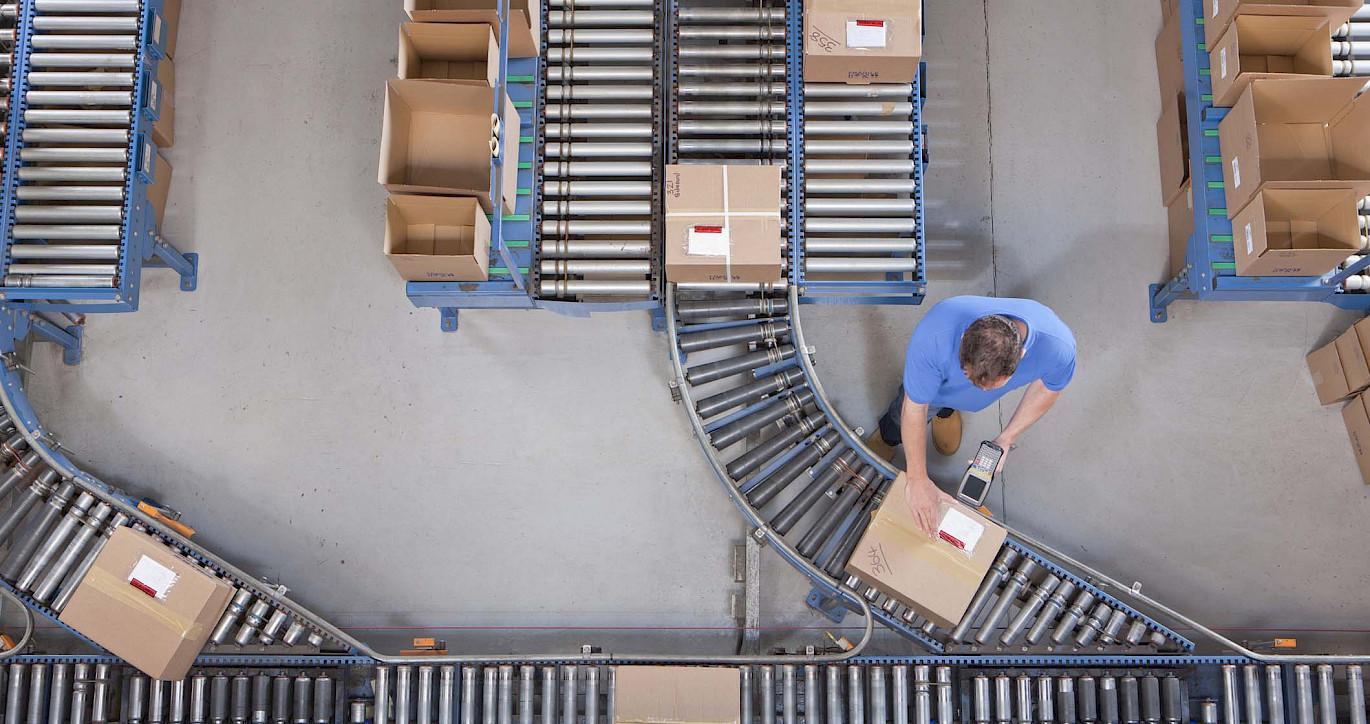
826, 605
448, 315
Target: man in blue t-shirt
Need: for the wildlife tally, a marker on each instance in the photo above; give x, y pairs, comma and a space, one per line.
965, 354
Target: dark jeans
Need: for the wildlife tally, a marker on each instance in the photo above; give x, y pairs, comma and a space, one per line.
890, 422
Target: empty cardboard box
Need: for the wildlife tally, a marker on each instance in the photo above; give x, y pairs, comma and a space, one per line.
1219, 13
437, 138
1268, 46
723, 224
934, 577
1296, 232
1329, 380
437, 238
1180, 219
147, 604
862, 41
1172, 144
1170, 59
452, 52
676, 695
1304, 133
1356, 415
525, 22
164, 130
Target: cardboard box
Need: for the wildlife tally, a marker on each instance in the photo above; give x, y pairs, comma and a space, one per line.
525, 22
1219, 13
1329, 379
1268, 46
160, 189
1172, 144
147, 604
723, 224
465, 53
1304, 133
1356, 415
436, 140
1170, 60
676, 695
1351, 355
1296, 232
437, 238
862, 41
931, 576
1169, 8
171, 15
164, 130
1180, 218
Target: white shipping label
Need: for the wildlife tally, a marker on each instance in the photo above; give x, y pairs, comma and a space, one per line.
963, 531
1222, 61
1250, 248
1215, 8
866, 33
708, 241
1236, 172
152, 578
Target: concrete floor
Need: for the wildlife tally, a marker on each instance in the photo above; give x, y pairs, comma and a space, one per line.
531, 472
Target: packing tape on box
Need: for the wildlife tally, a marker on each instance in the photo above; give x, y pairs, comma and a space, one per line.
121, 591
722, 235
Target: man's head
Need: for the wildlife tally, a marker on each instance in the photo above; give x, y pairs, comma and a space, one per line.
990, 351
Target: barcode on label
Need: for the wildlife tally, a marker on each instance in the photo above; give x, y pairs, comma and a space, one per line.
1250, 247
1236, 172
1222, 61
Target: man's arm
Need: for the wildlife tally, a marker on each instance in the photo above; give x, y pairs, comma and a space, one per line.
1035, 403
922, 495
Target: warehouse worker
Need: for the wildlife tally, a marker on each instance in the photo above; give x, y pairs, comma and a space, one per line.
965, 354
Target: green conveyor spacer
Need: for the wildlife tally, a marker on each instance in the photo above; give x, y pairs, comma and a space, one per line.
523, 104
1213, 159
1222, 238
1217, 212
1225, 265
520, 79
1205, 71
524, 165
1212, 133
502, 270
509, 217
1215, 184
1206, 98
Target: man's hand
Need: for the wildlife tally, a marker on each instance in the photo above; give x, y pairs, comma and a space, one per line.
924, 501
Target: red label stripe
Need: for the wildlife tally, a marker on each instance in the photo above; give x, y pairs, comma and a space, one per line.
870, 23
951, 539
143, 587
708, 230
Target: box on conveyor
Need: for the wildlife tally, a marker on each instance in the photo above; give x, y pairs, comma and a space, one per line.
1305, 133
1268, 46
164, 130
934, 577
437, 238
147, 604
1170, 60
862, 41
1218, 14
1296, 232
723, 224
525, 22
676, 695
160, 189
465, 53
437, 140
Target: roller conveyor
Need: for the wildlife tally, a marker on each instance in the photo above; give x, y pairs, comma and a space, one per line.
80, 159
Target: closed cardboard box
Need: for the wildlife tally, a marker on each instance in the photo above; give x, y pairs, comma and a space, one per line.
525, 21
723, 224
676, 695
164, 130
862, 41
436, 140
465, 53
1268, 46
147, 604
1357, 418
1172, 144
1169, 8
933, 577
171, 15
1305, 133
1170, 60
437, 238
1329, 380
1219, 13
1180, 216
1296, 232
1352, 357
160, 189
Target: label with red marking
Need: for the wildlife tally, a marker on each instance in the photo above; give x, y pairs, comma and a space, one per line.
705, 240
866, 34
152, 578
960, 530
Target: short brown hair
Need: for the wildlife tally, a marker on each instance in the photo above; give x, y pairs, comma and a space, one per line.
990, 350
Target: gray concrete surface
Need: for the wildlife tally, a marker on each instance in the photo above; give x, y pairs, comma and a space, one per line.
529, 476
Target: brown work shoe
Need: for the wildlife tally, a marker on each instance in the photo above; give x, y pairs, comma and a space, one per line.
876, 442
946, 433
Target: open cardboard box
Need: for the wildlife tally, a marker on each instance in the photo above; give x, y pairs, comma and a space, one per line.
1172, 144
465, 53
1305, 133
1268, 46
1218, 14
1296, 232
1170, 59
862, 41
1180, 220
437, 238
525, 22
436, 140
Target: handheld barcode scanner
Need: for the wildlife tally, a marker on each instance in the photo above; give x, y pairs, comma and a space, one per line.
976, 482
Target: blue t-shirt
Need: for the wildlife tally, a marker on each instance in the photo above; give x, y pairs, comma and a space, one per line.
932, 368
